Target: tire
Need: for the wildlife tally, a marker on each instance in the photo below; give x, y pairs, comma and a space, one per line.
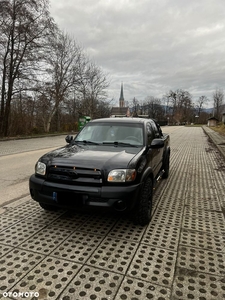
166, 166
142, 213
48, 207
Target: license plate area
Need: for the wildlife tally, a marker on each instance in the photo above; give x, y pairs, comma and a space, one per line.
70, 199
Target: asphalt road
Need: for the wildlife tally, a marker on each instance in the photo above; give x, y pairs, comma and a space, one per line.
17, 160
79, 256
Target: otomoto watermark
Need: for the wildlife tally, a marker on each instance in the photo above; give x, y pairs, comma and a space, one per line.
20, 294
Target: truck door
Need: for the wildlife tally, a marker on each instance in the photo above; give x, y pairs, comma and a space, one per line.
156, 154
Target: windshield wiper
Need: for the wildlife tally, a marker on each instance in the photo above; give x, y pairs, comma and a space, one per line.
87, 142
120, 144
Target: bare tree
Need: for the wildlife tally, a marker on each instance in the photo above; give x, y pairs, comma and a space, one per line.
44, 67
72, 82
181, 105
21, 115
202, 100
153, 107
200, 103
24, 24
135, 107
218, 97
93, 88
62, 75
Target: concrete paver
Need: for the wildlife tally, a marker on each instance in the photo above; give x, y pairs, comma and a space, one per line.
179, 255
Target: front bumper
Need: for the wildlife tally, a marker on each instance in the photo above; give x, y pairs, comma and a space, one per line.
70, 196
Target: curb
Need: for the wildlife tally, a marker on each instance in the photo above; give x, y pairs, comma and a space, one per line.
217, 139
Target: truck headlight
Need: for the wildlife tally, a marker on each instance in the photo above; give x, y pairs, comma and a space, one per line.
122, 175
40, 168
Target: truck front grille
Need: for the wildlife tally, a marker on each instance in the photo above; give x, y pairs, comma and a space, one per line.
72, 175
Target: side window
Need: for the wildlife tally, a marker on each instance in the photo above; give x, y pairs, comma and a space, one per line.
159, 129
149, 133
155, 130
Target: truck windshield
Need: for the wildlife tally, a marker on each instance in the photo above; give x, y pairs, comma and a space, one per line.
109, 133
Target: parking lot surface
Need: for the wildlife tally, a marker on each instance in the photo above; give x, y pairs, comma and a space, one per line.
179, 255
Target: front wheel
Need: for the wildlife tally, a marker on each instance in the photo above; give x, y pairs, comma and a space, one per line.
143, 211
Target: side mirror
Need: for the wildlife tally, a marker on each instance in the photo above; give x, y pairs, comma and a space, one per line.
157, 143
69, 138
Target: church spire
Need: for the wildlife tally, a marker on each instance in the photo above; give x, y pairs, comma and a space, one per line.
121, 100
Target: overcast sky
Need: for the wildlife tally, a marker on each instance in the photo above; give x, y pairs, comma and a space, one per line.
152, 46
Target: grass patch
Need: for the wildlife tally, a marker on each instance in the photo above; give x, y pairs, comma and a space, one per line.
220, 129
194, 125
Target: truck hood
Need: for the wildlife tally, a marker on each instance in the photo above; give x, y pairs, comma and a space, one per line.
97, 156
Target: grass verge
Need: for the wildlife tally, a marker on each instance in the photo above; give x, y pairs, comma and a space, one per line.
220, 129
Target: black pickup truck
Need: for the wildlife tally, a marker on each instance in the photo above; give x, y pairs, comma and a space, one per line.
112, 163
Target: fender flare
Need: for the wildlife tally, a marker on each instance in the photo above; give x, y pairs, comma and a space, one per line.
166, 163
147, 173
166, 153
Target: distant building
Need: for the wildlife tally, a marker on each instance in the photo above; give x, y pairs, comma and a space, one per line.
121, 110
223, 113
212, 122
223, 118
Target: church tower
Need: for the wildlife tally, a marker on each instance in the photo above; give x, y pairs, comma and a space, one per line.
121, 110
121, 100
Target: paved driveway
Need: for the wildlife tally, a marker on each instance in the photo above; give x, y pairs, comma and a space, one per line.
179, 255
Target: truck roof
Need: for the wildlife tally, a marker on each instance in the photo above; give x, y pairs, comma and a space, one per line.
122, 120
